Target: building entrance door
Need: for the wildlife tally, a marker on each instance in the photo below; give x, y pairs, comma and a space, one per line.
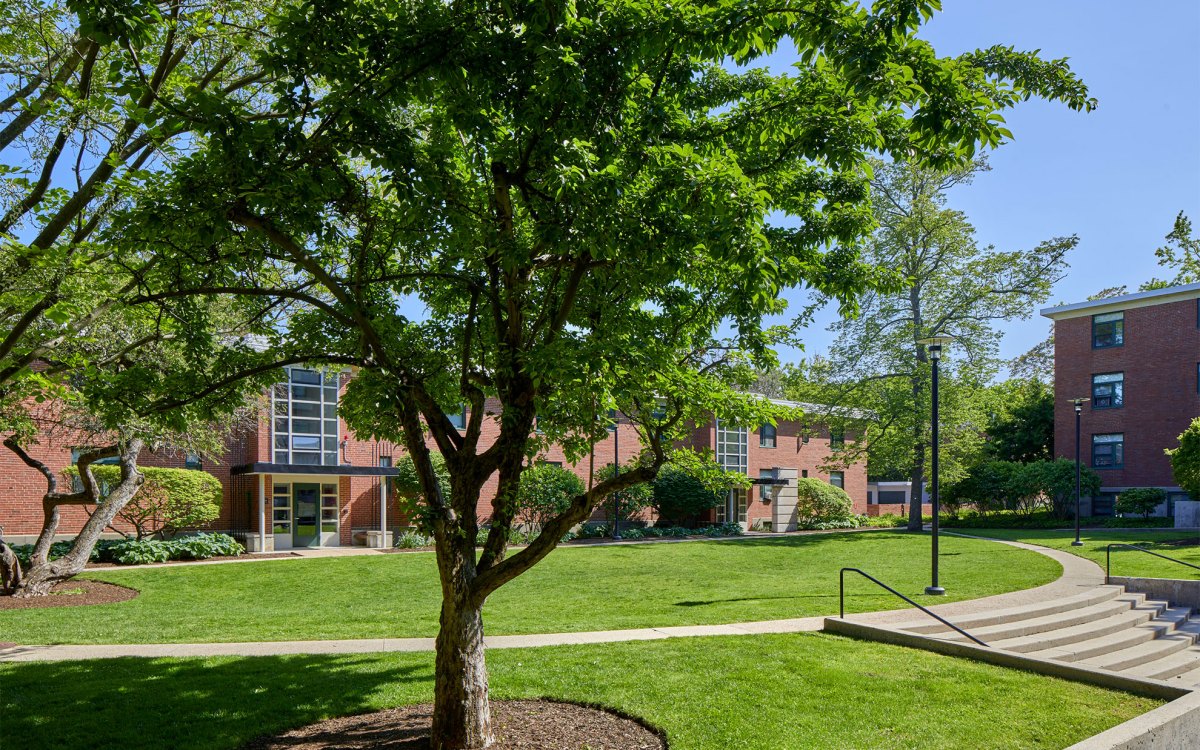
306, 502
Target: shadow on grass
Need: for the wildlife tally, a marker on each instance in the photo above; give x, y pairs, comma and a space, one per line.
216, 703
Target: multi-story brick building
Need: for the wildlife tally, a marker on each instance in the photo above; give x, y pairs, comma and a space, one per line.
301, 478
1137, 358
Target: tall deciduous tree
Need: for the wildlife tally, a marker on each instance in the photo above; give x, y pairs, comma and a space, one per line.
952, 286
573, 198
1181, 253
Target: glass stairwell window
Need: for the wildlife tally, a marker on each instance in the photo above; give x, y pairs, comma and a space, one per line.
305, 427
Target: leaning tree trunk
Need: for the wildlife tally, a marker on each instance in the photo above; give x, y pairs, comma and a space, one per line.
43, 572
10, 568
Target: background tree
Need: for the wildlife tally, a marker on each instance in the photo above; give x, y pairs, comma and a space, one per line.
1181, 253
1021, 425
951, 286
1185, 460
578, 197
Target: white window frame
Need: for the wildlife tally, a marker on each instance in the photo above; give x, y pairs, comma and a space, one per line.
284, 435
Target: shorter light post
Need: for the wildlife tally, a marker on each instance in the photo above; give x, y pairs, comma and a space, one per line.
934, 345
1078, 402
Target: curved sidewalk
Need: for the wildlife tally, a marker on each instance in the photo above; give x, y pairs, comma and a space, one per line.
1078, 575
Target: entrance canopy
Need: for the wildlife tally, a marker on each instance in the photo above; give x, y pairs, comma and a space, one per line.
309, 469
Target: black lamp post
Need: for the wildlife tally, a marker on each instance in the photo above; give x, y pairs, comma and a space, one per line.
934, 345
1078, 402
616, 431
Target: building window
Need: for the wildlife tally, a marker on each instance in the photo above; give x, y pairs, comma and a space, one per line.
838, 479
766, 436
1108, 330
305, 410
1108, 390
192, 461
329, 507
733, 447
281, 508
1108, 451
741, 499
837, 437
804, 473
458, 418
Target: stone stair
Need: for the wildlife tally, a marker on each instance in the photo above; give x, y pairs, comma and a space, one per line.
1105, 628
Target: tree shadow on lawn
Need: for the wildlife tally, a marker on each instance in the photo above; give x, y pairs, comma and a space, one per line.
193, 703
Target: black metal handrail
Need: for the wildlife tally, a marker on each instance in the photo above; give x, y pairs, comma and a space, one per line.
1108, 557
877, 582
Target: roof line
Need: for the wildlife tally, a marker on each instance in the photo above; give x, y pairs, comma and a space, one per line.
1138, 299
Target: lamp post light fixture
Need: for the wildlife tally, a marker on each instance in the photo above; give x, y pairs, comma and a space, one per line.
1078, 403
934, 345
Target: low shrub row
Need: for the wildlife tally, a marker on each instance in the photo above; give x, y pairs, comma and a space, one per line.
140, 552
1047, 520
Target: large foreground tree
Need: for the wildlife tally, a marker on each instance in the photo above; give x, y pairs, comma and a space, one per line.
553, 207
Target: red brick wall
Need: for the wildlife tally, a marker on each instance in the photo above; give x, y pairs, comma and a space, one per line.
21, 488
1159, 359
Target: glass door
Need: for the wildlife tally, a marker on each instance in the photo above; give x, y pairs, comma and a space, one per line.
306, 499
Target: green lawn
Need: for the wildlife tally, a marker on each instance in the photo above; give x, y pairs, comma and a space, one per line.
575, 589
780, 692
1124, 562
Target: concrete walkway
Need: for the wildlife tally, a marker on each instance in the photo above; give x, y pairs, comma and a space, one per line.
1079, 574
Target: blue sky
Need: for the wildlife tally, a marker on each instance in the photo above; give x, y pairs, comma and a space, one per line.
1116, 176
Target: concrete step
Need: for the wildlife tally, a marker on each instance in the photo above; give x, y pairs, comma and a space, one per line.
927, 625
1187, 679
1143, 653
1093, 638
1177, 663
1060, 620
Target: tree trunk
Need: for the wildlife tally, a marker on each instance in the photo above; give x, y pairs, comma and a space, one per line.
43, 572
917, 477
10, 568
461, 713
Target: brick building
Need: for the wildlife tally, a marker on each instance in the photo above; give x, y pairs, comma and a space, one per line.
302, 478
1137, 357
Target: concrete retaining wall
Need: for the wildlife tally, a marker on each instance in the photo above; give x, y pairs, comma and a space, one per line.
1175, 726
1179, 593
1187, 513
1078, 673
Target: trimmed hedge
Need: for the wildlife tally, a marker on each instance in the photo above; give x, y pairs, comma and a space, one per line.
819, 502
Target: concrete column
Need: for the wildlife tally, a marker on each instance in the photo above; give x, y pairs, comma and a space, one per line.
262, 513
785, 501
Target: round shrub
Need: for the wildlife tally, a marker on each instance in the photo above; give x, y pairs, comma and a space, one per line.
546, 490
680, 497
818, 501
1140, 500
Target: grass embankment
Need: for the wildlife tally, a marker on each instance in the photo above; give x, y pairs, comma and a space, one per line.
577, 589
1124, 562
778, 692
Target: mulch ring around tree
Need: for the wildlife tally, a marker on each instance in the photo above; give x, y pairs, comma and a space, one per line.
74, 593
518, 725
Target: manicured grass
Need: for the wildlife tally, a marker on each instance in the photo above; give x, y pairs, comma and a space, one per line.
576, 589
1124, 562
780, 692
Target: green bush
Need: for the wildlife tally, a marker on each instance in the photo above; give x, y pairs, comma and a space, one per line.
1185, 460
1140, 500
631, 501
411, 498
168, 501
681, 498
821, 502
885, 521
546, 491
412, 540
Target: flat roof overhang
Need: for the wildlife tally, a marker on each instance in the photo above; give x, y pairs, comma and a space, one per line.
332, 471
768, 481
